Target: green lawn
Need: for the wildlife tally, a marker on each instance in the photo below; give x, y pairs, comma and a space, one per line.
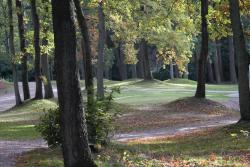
217, 147
19, 122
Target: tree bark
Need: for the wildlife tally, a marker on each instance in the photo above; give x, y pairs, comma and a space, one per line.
146, 65
76, 151
210, 70
12, 53
101, 45
121, 63
48, 90
243, 59
87, 55
139, 65
201, 80
171, 69
218, 48
217, 67
25, 83
233, 77
133, 71
39, 91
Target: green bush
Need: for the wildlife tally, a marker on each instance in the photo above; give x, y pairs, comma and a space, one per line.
49, 127
100, 118
99, 122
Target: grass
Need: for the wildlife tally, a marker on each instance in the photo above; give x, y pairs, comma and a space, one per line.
200, 148
154, 92
19, 122
220, 147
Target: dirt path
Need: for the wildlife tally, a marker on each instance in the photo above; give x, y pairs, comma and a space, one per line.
11, 149
175, 130
189, 122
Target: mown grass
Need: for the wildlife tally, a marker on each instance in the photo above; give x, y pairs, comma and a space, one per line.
19, 122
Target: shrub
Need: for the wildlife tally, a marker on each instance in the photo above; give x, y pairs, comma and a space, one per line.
100, 118
49, 127
99, 122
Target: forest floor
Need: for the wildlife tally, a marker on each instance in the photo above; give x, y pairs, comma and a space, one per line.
153, 126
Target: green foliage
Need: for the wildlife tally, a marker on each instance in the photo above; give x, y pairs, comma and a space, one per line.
49, 127
100, 118
99, 122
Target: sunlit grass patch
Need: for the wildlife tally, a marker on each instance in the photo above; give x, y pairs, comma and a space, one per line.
30, 110
15, 131
19, 122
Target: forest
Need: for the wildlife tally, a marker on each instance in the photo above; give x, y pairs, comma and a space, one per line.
124, 83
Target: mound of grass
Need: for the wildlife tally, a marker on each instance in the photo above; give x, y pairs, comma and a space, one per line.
192, 104
19, 122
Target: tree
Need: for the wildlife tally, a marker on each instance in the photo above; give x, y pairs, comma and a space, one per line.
12, 52
38, 76
87, 54
201, 79
48, 90
243, 59
101, 45
76, 151
233, 77
24, 56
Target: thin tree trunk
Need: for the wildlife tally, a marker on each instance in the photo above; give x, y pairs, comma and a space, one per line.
133, 71
76, 151
210, 70
139, 65
121, 63
48, 90
100, 69
87, 55
217, 67
218, 48
171, 69
39, 91
233, 77
243, 59
201, 80
146, 65
25, 83
12, 53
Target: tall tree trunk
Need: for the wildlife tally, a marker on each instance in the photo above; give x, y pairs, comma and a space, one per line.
201, 80
76, 151
25, 83
139, 65
171, 69
210, 70
12, 53
48, 90
133, 71
39, 91
243, 59
233, 77
218, 48
101, 45
217, 67
121, 62
87, 55
146, 65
